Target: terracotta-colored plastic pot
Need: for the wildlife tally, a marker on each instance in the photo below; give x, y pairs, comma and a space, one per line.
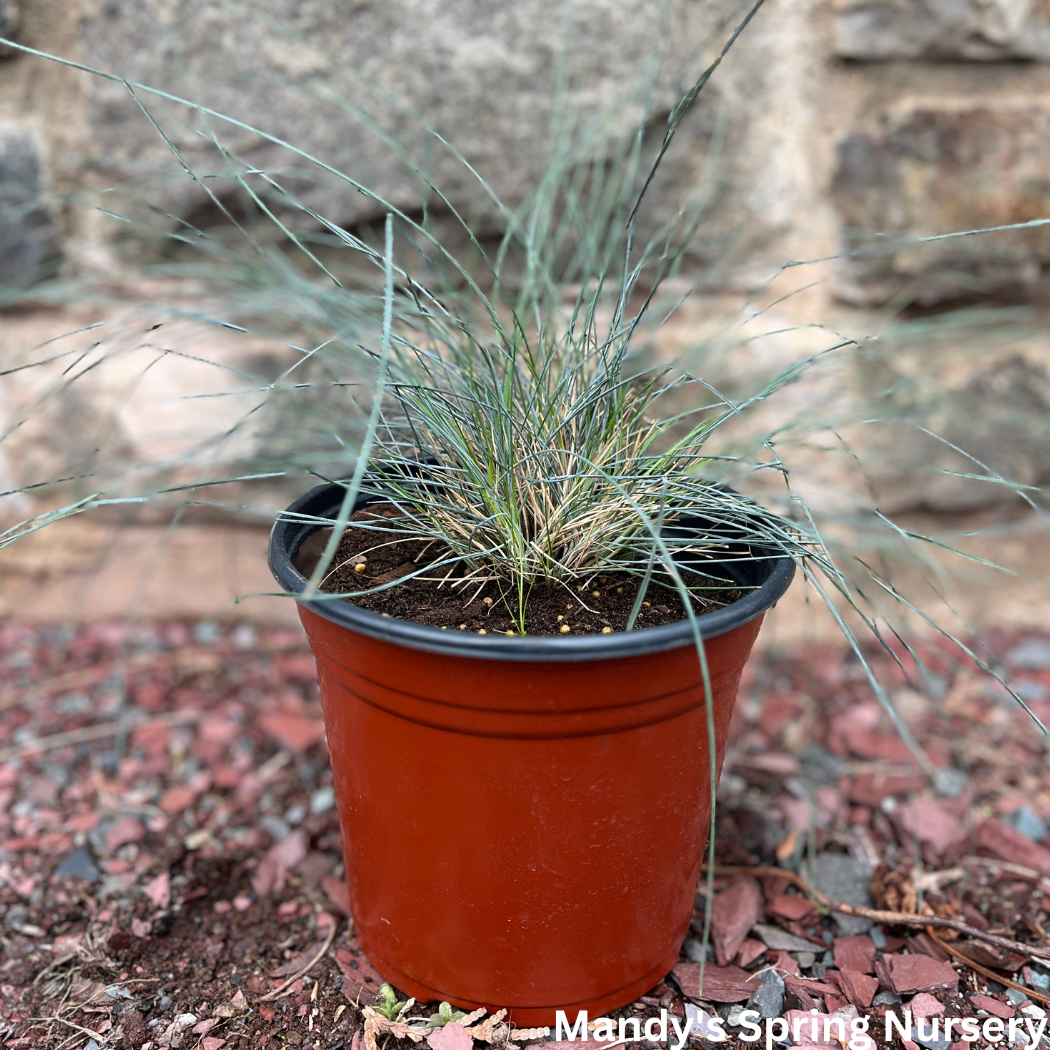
524, 819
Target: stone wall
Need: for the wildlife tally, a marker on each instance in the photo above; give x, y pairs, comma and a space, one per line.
847, 119
303, 72
967, 30
846, 116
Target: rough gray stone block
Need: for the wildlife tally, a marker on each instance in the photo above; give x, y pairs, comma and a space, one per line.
977, 30
844, 879
768, 998
935, 170
10, 16
483, 75
997, 411
28, 237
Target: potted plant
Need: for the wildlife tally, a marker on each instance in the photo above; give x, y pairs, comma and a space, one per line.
532, 600
524, 817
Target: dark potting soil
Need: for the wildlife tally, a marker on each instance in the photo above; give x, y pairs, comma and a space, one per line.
602, 602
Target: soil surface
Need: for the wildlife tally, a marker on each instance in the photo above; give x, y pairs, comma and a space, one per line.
171, 868
601, 603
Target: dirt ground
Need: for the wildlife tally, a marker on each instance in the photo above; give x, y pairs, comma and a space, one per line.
171, 865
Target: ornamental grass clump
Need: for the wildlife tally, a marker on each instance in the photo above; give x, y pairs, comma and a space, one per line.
543, 458
528, 436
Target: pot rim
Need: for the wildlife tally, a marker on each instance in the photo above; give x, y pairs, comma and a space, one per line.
288, 534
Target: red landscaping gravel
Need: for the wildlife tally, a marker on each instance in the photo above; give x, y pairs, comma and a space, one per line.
170, 854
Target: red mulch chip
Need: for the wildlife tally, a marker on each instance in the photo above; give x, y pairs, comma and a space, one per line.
450, 1037
996, 839
750, 950
924, 1005
811, 1028
177, 799
929, 821
722, 984
905, 974
158, 889
734, 911
811, 987
791, 906
787, 965
295, 732
855, 953
361, 981
869, 789
337, 891
993, 1006
926, 945
126, 830
858, 988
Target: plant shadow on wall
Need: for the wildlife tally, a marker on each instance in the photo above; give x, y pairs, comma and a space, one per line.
505, 400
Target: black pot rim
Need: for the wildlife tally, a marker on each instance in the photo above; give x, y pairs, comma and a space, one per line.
288, 534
